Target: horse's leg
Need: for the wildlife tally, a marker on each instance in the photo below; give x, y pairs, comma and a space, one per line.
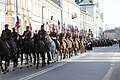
7, 61
18, 55
27, 60
64, 54
21, 60
30, 59
34, 56
0, 63
2, 69
48, 58
14, 62
53, 53
61, 54
43, 59
57, 54
37, 60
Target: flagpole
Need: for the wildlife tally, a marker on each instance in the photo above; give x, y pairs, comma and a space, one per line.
17, 13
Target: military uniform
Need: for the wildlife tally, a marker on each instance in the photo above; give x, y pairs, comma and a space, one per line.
6, 36
68, 35
42, 33
27, 35
14, 35
54, 36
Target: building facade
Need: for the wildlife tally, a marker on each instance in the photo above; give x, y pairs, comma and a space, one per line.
51, 13
86, 22
30, 12
70, 13
94, 10
109, 34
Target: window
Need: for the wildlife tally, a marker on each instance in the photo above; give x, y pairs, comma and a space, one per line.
13, 21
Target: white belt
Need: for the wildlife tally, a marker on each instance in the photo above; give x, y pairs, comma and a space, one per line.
54, 38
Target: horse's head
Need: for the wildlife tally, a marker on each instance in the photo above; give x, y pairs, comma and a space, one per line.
48, 38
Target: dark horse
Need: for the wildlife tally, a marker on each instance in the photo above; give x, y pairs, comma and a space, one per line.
39, 49
6, 55
25, 47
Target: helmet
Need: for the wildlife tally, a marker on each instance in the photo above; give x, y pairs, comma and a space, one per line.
42, 25
27, 26
13, 28
6, 25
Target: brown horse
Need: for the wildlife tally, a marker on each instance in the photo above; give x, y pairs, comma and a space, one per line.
82, 45
76, 46
69, 47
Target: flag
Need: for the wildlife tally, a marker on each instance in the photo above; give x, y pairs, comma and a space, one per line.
17, 23
63, 29
58, 28
30, 27
72, 29
51, 27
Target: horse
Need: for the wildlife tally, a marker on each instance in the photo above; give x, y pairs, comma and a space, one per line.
6, 55
70, 46
52, 48
39, 48
57, 43
76, 45
63, 48
83, 45
26, 47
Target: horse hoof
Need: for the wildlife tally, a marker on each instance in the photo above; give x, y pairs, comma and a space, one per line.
13, 69
4, 72
42, 65
20, 67
34, 63
30, 65
27, 66
37, 66
48, 62
7, 70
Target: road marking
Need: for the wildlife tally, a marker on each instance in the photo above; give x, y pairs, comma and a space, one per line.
108, 74
41, 72
111, 69
49, 69
56, 66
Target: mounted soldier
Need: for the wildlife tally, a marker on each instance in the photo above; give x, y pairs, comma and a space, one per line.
68, 34
35, 37
14, 35
42, 33
6, 36
54, 37
27, 34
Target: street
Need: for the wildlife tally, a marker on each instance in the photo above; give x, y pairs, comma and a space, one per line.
102, 63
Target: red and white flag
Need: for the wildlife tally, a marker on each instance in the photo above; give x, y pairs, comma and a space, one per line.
30, 27
58, 28
17, 23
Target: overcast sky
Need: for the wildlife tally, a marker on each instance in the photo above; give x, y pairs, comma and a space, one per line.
111, 11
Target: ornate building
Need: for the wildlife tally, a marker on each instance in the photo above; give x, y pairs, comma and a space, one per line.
94, 10
29, 12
